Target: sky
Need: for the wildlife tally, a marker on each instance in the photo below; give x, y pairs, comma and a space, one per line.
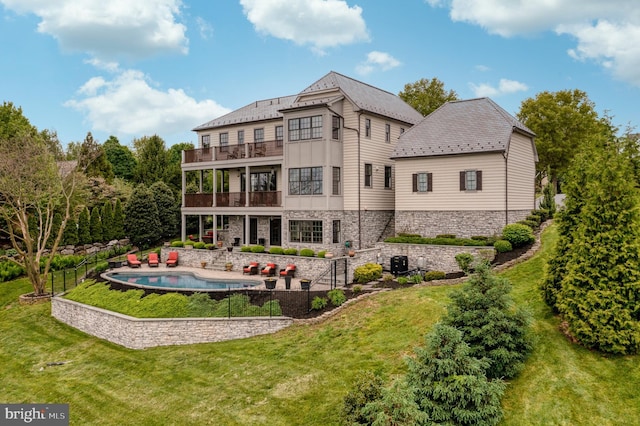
162, 67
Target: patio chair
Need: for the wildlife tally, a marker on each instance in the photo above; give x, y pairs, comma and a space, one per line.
172, 259
290, 270
152, 260
269, 270
251, 268
132, 261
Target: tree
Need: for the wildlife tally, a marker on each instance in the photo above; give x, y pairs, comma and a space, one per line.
107, 221
57, 222
93, 160
562, 121
395, 407
494, 330
173, 173
121, 158
152, 159
84, 227
142, 221
50, 138
32, 188
426, 96
70, 235
95, 225
168, 209
118, 221
450, 385
599, 295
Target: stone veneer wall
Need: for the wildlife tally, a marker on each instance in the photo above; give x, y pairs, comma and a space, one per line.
436, 257
141, 333
463, 224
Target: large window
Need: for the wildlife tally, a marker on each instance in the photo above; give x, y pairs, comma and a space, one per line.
305, 128
387, 177
224, 142
335, 127
368, 175
305, 231
240, 136
258, 135
305, 181
422, 182
336, 181
263, 181
471, 180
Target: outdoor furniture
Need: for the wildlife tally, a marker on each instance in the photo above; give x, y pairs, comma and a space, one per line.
172, 259
290, 271
132, 261
251, 268
152, 260
269, 270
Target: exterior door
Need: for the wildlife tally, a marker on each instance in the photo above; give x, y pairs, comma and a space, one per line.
253, 230
275, 231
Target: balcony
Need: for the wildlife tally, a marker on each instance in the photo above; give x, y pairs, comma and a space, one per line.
234, 152
235, 199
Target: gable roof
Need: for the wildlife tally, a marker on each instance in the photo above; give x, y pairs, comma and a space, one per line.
267, 109
460, 127
364, 96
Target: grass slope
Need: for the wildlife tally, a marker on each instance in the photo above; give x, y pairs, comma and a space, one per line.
297, 376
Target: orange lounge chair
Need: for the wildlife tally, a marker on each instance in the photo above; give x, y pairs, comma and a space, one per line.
172, 260
290, 270
251, 268
132, 261
152, 259
269, 270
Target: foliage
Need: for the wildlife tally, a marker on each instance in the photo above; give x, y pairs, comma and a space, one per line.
403, 280
177, 243
245, 249
387, 278
434, 275
425, 95
416, 278
151, 155
465, 262
518, 234
395, 407
450, 384
84, 227
55, 229
168, 209
367, 273
118, 221
95, 225
189, 243
356, 289
336, 296
322, 253
142, 222
495, 331
70, 234
276, 250
121, 158
199, 245
291, 251
257, 249
319, 303
548, 202
307, 252
445, 241
10, 270
502, 246
107, 221
366, 389
93, 160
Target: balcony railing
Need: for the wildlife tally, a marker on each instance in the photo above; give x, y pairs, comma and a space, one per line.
234, 152
235, 199
198, 200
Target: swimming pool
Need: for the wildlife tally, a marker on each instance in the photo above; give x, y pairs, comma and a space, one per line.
177, 281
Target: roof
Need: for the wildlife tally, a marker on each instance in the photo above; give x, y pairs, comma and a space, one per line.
461, 127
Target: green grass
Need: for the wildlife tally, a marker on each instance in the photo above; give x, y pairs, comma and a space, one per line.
299, 375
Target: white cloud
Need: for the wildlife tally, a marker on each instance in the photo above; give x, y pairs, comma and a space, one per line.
505, 87
128, 105
482, 68
375, 60
318, 23
606, 32
109, 29
205, 28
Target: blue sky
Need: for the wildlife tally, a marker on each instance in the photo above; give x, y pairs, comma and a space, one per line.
130, 69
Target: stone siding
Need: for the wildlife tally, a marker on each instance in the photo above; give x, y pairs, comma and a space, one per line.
141, 333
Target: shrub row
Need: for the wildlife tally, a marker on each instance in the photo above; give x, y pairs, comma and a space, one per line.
445, 240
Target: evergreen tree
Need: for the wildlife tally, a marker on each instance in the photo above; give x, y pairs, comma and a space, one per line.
168, 209
107, 221
84, 227
93, 160
95, 225
450, 385
494, 329
118, 221
57, 222
599, 296
70, 235
548, 202
142, 222
395, 407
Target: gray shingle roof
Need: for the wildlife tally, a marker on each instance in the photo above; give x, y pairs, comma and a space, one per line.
460, 127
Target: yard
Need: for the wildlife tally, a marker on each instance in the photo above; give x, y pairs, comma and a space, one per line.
297, 376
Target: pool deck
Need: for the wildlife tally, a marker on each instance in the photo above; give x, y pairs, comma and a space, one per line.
219, 275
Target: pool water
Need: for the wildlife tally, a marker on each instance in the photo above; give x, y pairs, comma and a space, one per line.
179, 280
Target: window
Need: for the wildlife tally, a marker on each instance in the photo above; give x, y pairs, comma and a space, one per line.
335, 127
336, 231
368, 174
206, 141
305, 231
422, 182
305, 128
471, 180
336, 181
262, 181
224, 142
387, 133
279, 135
258, 135
367, 127
305, 181
240, 136
387, 177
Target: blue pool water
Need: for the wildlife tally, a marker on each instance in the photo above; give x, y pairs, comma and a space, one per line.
178, 280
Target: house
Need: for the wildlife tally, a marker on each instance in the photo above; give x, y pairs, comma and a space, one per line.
466, 169
307, 170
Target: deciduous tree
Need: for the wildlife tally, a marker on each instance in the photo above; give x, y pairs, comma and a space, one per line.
426, 96
121, 158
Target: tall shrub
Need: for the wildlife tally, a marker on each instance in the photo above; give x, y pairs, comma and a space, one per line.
84, 227
70, 235
95, 225
168, 209
107, 221
118, 221
142, 221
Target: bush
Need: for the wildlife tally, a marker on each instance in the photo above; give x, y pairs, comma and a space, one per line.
387, 278
403, 280
416, 278
321, 254
446, 236
434, 275
530, 223
306, 252
276, 250
464, 261
189, 243
502, 246
291, 252
319, 303
356, 289
199, 245
518, 234
367, 388
177, 244
367, 272
245, 249
209, 246
257, 249
101, 267
336, 296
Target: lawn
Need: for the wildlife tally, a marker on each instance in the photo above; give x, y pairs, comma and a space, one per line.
299, 375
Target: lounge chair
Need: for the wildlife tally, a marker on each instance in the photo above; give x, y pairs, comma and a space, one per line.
132, 261
290, 270
152, 259
269, 270
251, 268
172, 259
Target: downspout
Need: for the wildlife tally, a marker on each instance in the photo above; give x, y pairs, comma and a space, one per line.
506, 189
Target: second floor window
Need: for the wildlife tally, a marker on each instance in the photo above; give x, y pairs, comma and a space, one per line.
240, 136
305, 181
387, 177
387, 133
368, 175
305, 128
224, 141
336, 181
335, 127
258, 135
279, 134
367, 127
206, 141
